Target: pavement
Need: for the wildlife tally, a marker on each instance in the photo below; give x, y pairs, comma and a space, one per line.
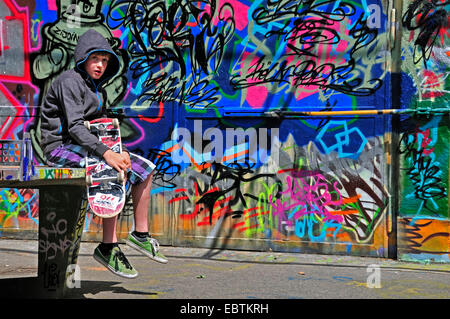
200, 274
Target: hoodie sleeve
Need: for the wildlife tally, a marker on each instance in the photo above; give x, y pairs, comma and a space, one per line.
72, 105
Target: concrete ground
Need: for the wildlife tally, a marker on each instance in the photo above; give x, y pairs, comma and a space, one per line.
197, 274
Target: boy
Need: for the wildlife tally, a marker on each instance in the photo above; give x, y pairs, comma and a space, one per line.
75, 96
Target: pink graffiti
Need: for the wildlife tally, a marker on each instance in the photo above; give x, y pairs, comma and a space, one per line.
304, 197
433, 84
52, 5
11, 125
425, 142
325, 52
240, 12
256, 95
141, 137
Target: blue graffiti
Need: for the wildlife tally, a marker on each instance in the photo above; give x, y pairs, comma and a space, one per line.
352, 137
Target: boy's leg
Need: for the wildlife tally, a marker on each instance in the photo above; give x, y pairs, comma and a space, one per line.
141, 180
108, 252
109, 230
140, 194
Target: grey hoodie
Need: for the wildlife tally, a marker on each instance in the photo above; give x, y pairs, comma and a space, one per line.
75, 97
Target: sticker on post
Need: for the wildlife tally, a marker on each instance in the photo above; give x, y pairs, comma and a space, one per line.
106, 200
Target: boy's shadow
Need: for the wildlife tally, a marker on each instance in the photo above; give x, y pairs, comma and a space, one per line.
26, 288
95, 287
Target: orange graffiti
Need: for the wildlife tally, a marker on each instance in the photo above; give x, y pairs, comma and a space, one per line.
424, 235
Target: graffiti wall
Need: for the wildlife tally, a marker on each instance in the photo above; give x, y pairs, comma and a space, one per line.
214, 92
423, 224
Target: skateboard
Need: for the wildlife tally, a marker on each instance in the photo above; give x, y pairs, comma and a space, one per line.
105, 186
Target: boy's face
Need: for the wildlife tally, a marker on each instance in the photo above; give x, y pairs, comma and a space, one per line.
96, 64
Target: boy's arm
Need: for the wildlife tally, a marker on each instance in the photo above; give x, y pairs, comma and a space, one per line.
72, 107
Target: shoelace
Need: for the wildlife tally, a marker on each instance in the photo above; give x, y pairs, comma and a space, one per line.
155, 244
120, 256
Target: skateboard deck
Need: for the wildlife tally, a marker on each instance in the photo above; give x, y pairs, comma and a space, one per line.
105, 185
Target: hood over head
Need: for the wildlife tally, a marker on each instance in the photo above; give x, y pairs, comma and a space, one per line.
92, 41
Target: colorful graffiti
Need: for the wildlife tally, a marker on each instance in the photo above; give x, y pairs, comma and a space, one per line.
424, 229
197, 83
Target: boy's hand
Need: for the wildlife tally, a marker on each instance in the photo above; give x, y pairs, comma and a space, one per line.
126, 156
119, 162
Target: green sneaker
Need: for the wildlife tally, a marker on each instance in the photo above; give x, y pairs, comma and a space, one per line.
148, 247
116, 262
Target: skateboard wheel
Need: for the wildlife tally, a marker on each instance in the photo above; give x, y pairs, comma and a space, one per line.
89, 181
115, 123
121, 177
87, 125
